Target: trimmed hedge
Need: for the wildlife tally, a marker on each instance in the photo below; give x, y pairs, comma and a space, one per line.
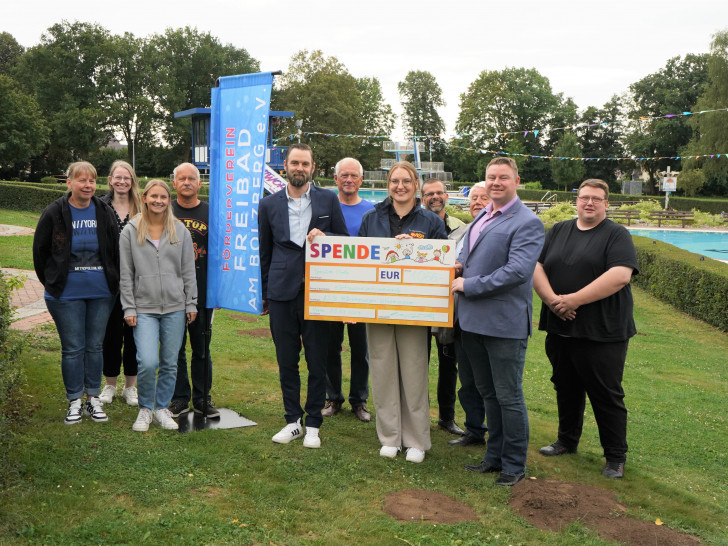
680, 278
36, 197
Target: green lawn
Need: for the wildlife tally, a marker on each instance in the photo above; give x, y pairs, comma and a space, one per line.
104, 483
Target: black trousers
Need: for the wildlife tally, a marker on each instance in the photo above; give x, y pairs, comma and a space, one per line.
447, 378
182, 390
590, 368
288, 328
119, 335
359, 352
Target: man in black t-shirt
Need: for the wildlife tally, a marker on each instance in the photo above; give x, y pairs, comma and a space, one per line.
583, 278
194, 214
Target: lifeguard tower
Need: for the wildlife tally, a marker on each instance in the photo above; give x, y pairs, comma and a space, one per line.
200, 149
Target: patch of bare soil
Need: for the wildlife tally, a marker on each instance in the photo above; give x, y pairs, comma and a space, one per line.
552, 505
417, 505
256, 332
244, 318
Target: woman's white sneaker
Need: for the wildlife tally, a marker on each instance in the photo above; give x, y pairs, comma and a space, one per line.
75, 409
388, 451
415, 455
142, 421
163, 417
95, 409
130, 395
107, 394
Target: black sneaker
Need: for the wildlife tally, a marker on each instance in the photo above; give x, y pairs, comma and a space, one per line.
613, 470
212, 411
178, 407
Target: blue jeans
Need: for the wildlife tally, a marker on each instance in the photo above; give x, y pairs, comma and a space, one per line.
497, 366
158, 338
81, 327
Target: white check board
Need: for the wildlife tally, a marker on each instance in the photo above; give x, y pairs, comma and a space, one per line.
381, 280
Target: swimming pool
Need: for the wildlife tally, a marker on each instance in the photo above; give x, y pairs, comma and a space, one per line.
713, 244
377, 195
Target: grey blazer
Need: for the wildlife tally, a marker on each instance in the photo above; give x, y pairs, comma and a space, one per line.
497, 297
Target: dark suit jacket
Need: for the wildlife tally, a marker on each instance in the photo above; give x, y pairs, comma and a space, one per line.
497, 297
282, 262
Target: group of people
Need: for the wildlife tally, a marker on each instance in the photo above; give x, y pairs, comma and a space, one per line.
582, 272
138, 264
124, 278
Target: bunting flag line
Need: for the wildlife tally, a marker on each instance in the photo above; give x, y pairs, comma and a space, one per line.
534, 132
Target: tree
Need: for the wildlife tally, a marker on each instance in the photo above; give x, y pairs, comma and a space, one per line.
378, 120
127, 103
23, 131
691, 181
709, 130
184, 66
421, 96
326, 99
602, 138
10, 53
567, 172
63, 74
512, 108
671, 90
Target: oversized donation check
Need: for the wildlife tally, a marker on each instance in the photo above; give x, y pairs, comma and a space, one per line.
384, 280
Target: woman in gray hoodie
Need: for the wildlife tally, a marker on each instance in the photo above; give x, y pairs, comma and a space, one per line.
158, 295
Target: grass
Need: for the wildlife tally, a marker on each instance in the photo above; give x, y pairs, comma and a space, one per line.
104, 483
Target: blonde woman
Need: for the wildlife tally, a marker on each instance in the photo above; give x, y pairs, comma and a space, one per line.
398, 352
76, 257
124, 200
158, 296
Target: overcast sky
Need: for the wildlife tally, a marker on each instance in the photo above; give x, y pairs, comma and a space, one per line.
589, 50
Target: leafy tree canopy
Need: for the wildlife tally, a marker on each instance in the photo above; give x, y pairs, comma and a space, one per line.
709, 130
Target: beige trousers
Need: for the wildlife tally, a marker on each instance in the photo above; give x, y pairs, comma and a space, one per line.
398, 367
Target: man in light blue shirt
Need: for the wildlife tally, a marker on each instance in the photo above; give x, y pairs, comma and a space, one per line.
286, 220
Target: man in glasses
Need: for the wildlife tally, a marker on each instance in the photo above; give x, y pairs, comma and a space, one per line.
582, 277
349, 175
434, 197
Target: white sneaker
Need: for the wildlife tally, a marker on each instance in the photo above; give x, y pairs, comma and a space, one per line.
107, 394
95, 409
75, 410
290, 432
142, 421
312, 439
130, 395
415, 455
163, 417
389, 451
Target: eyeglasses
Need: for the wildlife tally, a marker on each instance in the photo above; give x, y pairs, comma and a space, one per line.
434, 193
585, 199
406, 182
117, 178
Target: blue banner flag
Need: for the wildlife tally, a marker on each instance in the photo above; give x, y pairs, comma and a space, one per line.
238, 130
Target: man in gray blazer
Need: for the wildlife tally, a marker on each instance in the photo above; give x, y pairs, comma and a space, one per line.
499, 254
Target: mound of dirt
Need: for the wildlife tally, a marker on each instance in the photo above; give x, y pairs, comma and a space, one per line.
417, 505
552, 505
255, 332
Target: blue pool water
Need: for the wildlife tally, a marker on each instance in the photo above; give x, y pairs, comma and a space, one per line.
377, 195
707, 243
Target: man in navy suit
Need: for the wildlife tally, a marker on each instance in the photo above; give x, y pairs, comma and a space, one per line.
286, 220
499, 254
